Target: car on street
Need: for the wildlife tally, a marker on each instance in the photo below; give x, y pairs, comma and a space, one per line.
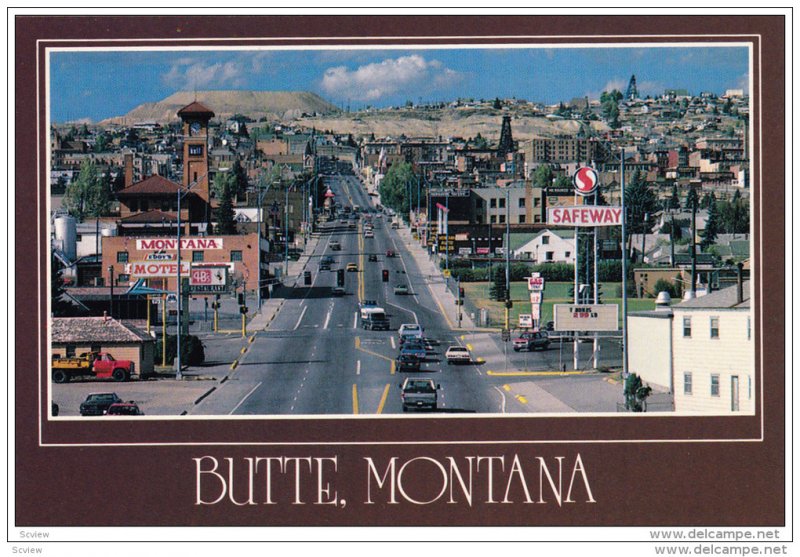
351, 226
124, 409
406, 362
352, 268
97, 404
458, 355
410, 329
414, 348
532, 340
335, 245
338, 291
419, 394
389, 253
372, 258
395, 226
369, 234
401, 290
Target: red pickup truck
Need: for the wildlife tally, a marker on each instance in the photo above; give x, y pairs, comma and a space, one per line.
96, 364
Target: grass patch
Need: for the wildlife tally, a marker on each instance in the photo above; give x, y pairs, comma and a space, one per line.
554, 293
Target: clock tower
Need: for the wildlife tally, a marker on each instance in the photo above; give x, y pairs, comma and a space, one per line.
195, 119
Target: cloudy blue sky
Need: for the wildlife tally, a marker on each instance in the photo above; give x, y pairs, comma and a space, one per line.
97, 85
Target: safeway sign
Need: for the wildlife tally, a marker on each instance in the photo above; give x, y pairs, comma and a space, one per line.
585, 180
584, 215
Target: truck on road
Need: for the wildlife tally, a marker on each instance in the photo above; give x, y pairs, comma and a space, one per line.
419, 394
101, 365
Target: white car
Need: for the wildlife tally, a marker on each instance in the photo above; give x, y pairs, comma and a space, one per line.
458, 355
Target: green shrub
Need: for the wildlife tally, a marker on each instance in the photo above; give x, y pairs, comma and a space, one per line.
192, 350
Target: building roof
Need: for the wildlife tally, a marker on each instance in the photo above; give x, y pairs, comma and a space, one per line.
721, 299
153, 216
94, 330
195, 108
154, 184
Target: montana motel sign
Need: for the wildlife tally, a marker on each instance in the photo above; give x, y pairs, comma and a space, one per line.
171, 244
150, 269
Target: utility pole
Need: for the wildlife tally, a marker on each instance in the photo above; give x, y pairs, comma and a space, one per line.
508, 255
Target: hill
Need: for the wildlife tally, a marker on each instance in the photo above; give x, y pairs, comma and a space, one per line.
274, 105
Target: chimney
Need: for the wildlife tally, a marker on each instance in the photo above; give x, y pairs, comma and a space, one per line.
128, 169
739, 284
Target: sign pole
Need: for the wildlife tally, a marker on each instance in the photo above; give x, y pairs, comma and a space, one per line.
596, 343
575, 290
164, 330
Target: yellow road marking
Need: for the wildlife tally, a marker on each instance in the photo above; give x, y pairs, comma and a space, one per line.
462, 337
243, 350
441, 309
469, 347
393, 368
234, 364
383, 398
355, 399
522, 399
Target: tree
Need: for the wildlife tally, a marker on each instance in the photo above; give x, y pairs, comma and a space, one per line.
58, 306
394, 187
636, 393
88, 194
674, 200
692, 200
240, 181
497, 104
498, 289
543, 176
712, 228
610, 107
640, 201
225, 215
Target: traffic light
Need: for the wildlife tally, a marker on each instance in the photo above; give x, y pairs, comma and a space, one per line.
509, 304
242, 309
241, 298
460, 291
340, 277
385, 275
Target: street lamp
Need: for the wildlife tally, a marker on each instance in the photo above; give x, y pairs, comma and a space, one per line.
181, 192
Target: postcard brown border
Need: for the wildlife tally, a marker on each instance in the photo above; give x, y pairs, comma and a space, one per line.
714, 483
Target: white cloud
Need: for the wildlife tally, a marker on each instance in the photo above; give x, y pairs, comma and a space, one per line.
192, 73
407, 74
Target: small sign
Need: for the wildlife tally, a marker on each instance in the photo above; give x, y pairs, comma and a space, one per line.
159, 256
525, 321
536, 312
172, 299
536, 284
482, 251
585, 180
586, 317
536, 297
446, 273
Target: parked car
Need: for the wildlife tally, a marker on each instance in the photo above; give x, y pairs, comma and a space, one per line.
419, 394
458, 355
406, 362
124, 409
401, 289
533, 340
97, 404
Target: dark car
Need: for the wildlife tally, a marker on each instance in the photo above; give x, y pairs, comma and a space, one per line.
415, 349
124, 409
389, 253
338, 291
324, 266
406, 362
97, 404
372, 258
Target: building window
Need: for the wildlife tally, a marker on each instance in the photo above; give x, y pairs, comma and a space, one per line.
715, 384
522, 219
493, 219
545, 240
236, 255
502, 203
195, 150
714, 322
198, 256
537, 202
69, 350
537, 218
567, 254
687, 382
493, 203
122, 257
521, 203
123, 278
687, 327
548, 256
502, 219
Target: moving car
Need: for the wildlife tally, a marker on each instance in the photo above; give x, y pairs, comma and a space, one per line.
406, 362
335, 245
338, 291
97, 404
410, 329
372, 258
389, 253
533, 340
419, 394
352, 268
401, 289
458, 355
414, 349
369, 234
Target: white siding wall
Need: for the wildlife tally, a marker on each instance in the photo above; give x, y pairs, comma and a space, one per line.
649, 349
556, 244
732, 354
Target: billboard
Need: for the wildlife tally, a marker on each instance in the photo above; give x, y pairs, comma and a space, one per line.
585, 215
586, 317
209, 279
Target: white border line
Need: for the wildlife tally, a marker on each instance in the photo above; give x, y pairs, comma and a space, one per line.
268, 45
